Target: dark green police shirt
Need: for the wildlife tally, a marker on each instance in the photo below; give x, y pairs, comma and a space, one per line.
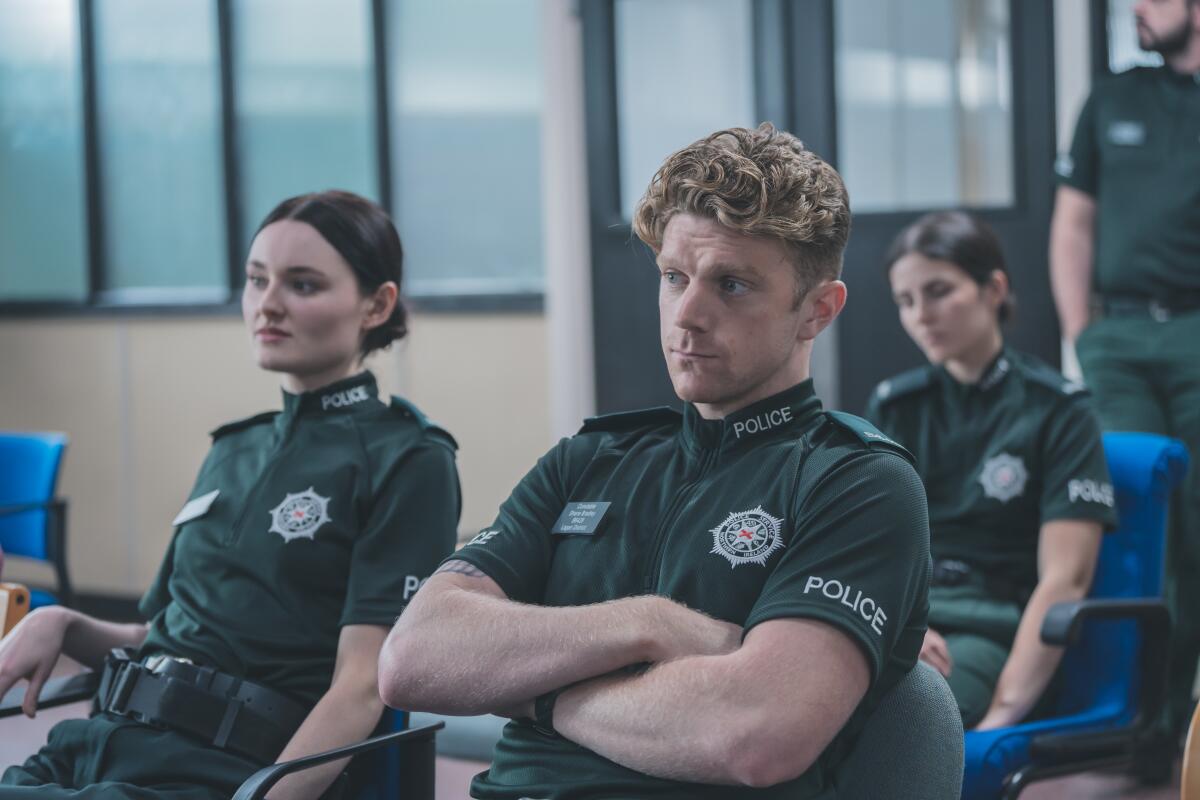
1137, 151
326, 514
998, 458
779, 510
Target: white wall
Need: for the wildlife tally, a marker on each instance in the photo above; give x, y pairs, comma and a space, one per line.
137, 396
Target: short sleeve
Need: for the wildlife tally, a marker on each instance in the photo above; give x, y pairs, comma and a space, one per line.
1075, 481
516, 550
410, 527
859, 559
1080, 168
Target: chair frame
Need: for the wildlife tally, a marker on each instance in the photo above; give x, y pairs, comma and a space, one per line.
57, 544
1063, 753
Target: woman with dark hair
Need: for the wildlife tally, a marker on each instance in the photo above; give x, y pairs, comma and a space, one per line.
1012, 462
306, 533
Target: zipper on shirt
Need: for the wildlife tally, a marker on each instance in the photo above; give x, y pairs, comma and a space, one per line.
268, 469
660, 535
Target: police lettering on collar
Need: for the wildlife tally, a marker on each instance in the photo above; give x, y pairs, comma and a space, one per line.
995, 375
346, 397
762, 422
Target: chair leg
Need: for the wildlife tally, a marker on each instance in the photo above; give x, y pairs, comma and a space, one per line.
417, 760
58, 515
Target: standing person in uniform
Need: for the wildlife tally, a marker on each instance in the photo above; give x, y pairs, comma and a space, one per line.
306, 533
1125, 269
673, 605
1012, 462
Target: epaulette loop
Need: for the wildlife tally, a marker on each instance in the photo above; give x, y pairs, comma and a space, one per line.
1055, 381
628, 420
867, 433
408, 410
905, 383
241, 424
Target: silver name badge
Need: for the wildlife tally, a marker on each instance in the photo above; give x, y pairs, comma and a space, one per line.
580, 519
196, 507
1127, 133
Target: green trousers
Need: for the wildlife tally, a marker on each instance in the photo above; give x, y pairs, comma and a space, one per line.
1145, 376
979, 632
108, 757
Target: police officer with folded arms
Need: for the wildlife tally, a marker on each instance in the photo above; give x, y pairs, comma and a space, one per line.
306, 533
1011, 458
705, 604
1125, 269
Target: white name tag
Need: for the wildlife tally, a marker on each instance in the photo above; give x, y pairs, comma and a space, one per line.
196, 507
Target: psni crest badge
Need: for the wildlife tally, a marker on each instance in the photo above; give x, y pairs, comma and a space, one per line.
747, 537
1003, 477
299, 515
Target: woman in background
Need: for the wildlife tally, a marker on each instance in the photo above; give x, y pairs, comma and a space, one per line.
1011, 458
306, 533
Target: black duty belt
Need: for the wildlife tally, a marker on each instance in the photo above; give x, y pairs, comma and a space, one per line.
1157, 308
220, 709
952, 572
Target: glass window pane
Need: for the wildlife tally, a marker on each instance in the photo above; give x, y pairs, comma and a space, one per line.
466, 99
684, 69
1123, 50
43, 241
304, 100
924, 103
158, 103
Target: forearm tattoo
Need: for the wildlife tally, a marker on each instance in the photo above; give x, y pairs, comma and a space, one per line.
462, 568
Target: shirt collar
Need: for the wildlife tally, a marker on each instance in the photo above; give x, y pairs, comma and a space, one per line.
1181, 79
348, 394
784, 414
993, 375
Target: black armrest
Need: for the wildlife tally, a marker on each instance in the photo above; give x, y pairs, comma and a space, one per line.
417, 746
55, 692
21, 508
1062, 626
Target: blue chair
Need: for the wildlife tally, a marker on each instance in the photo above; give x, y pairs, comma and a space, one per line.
33, 522
1114, 671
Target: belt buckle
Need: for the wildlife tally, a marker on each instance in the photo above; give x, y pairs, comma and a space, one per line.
1159, 312
157, 662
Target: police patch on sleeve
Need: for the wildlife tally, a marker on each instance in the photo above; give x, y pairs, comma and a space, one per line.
1003, 477
299, 515
1090, 491
747, 537
483, 537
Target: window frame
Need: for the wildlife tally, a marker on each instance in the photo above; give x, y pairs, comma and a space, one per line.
224, 301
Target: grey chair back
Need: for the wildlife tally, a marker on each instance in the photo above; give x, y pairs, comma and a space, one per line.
911, 747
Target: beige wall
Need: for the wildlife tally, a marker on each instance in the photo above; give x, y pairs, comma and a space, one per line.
137, 396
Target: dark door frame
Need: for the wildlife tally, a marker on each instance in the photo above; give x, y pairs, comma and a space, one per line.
794, 87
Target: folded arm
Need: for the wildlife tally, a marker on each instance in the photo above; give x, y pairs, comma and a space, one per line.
462, 647
758, 716
1067, 552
